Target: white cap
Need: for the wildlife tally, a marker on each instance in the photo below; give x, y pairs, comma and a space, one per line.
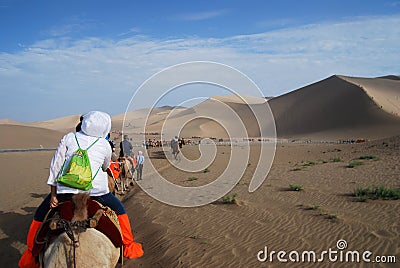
96, 124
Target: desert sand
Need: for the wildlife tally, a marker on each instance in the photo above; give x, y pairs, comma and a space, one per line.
231, 235
315, 218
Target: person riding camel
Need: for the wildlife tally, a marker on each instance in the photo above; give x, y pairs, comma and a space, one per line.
126, 151
95, 127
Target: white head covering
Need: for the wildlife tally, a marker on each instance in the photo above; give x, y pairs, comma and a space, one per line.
96, 124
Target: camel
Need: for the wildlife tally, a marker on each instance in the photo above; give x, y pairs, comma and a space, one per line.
92, 248
120, 182
126, 177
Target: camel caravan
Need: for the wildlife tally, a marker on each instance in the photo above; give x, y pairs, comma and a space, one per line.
81, 223
120, 175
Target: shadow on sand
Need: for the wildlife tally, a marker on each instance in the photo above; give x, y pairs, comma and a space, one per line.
14, 227
158, 155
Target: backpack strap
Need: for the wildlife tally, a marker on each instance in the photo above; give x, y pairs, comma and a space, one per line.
89, 145
96, 173
92, 144
88, 149
77, 141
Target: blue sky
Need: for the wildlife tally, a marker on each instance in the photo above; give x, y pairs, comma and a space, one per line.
68, 57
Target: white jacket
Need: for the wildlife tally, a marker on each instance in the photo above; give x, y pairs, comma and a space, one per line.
98, 126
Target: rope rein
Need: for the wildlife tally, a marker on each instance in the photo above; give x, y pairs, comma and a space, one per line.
57, 223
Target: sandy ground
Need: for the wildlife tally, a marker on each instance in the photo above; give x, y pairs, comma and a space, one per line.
231, 235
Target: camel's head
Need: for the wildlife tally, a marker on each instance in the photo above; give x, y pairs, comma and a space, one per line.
80, 202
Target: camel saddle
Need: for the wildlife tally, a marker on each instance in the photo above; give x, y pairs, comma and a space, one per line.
105, 219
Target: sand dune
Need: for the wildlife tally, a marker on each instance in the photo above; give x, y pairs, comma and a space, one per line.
385, 91
63, 124
337, 108
215, 117
135, 120
9, 122
25, 137
241, 99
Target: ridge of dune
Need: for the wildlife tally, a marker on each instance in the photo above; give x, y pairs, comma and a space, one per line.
384, 91
242, 99
8, 121
210, 119
336, 108
63, 124
142, 113
28, 137
152, 119
393, 77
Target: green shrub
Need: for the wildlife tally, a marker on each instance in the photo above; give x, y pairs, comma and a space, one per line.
381, 192
332, 216
309, 163
377, 192
355, 164
192, 179
336, 159
358, 192
229, 199
295, 187
322, 213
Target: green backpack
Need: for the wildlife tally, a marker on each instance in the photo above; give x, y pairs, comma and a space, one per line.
78, 174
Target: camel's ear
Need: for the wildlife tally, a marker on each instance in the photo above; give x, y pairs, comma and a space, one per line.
53, 223
95, 219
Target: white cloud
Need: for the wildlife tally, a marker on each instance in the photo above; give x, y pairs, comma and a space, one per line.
393, 4
72, 25
275, 23
134, 30
61, 76
200, 15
